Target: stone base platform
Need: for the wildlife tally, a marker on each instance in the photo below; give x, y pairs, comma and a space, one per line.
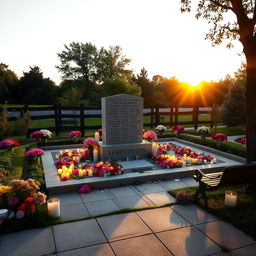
122, 152
134, 172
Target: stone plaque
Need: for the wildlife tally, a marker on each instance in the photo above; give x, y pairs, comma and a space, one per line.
122, 119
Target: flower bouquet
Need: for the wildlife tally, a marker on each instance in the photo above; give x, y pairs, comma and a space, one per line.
90, 143
149, 135
9, 144
203, 131
34, 153
178, 129
75, 135
161, 129
219, 137
42, 135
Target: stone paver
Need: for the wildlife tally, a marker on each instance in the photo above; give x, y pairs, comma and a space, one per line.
245, 251
160, 198
74, 211
77, 234
134, 201
29, 242
122, 226
188, 241
97, 195
172, 184
149, 188
190, 182
96, 250
101, 207
226, 234
122, 191
193, 214
147, 245
162, 219
68, 198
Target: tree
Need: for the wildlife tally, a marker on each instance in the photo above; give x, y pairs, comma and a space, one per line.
7, 79
119, 86
85, 61
231, 20
233, 109
33, 88
72, 97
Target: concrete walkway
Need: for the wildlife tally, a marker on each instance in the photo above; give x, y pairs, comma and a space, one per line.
176, 230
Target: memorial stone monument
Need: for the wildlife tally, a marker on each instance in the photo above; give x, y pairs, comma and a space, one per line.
122, 126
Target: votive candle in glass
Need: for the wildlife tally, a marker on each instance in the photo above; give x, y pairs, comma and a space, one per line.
95, 154
53, 206
230, 198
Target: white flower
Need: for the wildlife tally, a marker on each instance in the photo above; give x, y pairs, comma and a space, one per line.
203, 130
161, 128
46, 133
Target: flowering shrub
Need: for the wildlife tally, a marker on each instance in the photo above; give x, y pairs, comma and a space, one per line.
184, 197
75, 134
21, 198
203, 130
149, 134
85, 189
243, 140
219, 137
178, 128
161, 128
42, 134
90, 142
9, 143
35, 152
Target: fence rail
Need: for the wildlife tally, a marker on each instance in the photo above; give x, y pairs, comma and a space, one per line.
81, 114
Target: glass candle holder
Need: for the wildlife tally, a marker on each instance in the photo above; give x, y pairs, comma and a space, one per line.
230, 198
53, 205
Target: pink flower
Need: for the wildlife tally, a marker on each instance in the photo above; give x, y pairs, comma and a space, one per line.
34, 152
20, 214
178, 128
9, 143
75, 134
100, 132
90, 142
149, 134
84, 189
219, 137
75, 171
37, 135
243, 140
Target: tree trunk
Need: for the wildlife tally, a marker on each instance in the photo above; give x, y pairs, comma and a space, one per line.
250, 105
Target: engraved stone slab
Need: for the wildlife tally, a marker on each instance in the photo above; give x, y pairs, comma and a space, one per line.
116, 152
122, 119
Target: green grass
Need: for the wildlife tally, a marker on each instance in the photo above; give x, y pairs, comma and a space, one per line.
22, 105
243, 216
18, 163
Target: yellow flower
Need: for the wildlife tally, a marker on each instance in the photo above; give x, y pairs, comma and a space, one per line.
5, 189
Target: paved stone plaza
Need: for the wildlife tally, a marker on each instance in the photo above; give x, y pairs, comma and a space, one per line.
172, 230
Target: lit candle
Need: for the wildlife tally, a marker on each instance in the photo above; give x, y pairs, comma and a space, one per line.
65, 176
97, 136
53, 205
61, 153
230, 198
90, 173
64, 167
81, 173
154, 148
95, 154
71, 166
70, 171
59, 171
78, 150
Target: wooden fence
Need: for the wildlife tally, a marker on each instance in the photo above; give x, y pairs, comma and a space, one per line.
67, 118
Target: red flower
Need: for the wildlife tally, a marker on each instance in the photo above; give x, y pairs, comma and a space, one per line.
23, 206
31, 208
243, 140
30, 201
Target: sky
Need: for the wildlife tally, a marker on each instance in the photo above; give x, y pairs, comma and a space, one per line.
152, 33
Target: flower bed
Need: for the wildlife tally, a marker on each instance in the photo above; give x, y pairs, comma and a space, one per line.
182, 156
75, 164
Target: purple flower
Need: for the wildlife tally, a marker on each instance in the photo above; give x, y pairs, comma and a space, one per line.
34, 152
13, 201
20, 214
84, 189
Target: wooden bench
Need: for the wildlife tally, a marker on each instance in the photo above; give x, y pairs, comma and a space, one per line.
232, 175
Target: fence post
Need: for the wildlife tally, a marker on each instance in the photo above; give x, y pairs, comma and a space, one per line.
152, 115
56, 117
82, 119
176, 115
157, 116
195, 116
25, 114
171, 117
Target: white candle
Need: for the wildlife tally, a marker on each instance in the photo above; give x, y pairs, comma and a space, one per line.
3, 213
154, 148
95, 154
97, 136
53, 207
230, 198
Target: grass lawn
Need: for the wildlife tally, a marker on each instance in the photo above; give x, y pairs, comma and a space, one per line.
243, 216
22, 105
